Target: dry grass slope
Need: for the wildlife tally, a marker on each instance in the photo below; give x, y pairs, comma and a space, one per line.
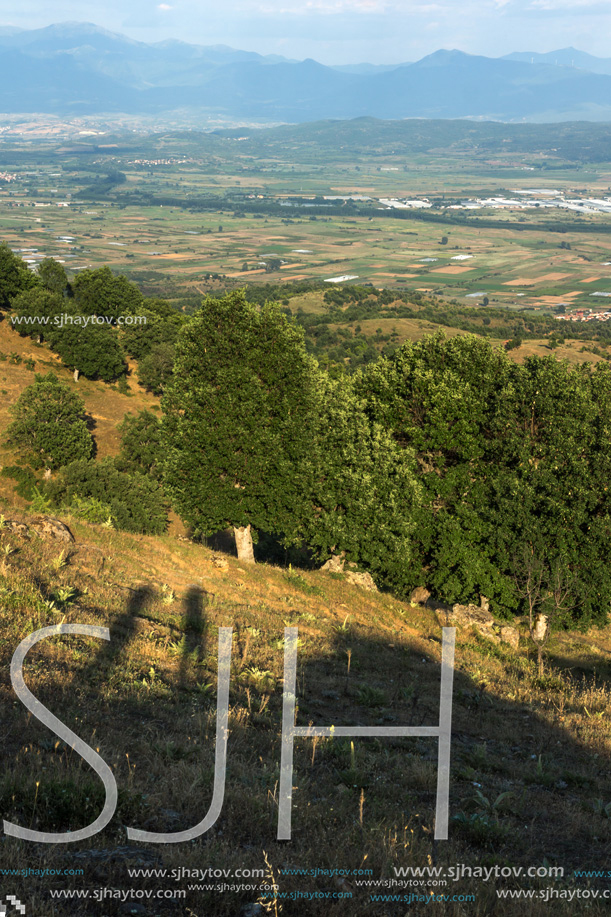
147, 701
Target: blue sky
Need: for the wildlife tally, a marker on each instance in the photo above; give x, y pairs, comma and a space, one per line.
342, 31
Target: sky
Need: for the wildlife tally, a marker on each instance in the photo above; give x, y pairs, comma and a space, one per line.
342, 31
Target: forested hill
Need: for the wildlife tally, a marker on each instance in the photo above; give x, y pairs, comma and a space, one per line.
438, 462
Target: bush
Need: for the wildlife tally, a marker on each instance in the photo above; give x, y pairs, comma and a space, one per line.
25, 478
49, 427
141, 444
90, 509
134, 501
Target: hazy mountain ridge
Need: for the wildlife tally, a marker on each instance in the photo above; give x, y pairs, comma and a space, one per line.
80, 68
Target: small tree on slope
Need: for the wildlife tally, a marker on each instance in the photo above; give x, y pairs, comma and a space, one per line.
239, 421
49, 426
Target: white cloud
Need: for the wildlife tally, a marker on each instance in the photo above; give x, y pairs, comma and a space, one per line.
583, 6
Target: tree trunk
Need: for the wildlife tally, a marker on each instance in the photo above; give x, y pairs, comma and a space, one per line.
540, 660
243, 543
76, 375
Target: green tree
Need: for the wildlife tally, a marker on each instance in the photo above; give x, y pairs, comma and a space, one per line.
35, 313
15, 276
156, 368
239, 421
136, 501
91, 350
452, 402
49, 426
141, 444
140, 339
99, 292
53, 276
551, 513
364, 491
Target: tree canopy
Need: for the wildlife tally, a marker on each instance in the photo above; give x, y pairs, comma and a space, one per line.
141, 444
37, 312
94, 351
513, 462
53, 276
156, 368
239, 419
364, 490
49, 426
100, 292
15, 276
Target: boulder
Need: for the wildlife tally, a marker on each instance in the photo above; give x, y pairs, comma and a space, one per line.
364, 580
509, 635
50, 527
420, 595
468, 616
16, 528
335, 564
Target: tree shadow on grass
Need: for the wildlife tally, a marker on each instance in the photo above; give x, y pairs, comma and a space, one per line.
351, 797
194, 626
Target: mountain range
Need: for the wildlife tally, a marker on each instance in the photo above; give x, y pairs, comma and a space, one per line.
79, 68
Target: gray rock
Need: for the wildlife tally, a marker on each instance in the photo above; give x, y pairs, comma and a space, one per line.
470, 616
364, 580
509, 635
50, 527
335, 564
16, 528
420, 595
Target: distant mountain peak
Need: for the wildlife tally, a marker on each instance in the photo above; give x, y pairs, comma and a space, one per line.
444, 57
79, 67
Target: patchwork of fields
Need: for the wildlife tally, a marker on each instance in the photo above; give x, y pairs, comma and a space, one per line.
250, 214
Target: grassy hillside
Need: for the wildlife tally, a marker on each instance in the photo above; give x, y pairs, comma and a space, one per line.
530, 785
529, 782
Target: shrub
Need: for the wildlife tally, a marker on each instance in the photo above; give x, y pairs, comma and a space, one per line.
134, 501
49, 427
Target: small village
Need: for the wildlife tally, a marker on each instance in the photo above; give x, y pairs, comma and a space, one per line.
584, 315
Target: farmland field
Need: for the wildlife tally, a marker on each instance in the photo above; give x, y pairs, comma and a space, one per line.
263, 207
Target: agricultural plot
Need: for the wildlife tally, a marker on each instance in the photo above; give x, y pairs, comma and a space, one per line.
191, 206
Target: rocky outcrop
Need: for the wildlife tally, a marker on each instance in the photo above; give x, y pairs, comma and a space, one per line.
478, 617
364, 580
51, 528
16, 528
335, 564
481, 620
510, 635
47, 527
